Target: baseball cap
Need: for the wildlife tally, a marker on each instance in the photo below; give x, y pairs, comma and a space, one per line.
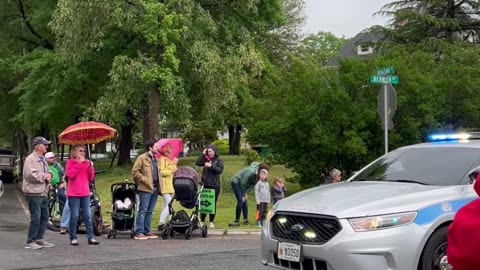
49, 155
40, 140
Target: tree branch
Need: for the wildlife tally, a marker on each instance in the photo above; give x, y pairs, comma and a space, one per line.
45, 43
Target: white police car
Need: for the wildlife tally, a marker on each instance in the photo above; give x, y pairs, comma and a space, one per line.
393, 214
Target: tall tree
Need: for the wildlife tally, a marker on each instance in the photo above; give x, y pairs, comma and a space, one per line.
414, 21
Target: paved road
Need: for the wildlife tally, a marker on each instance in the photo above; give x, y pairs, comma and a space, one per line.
231, 252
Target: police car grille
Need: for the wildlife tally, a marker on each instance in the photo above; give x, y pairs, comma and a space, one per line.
304, 228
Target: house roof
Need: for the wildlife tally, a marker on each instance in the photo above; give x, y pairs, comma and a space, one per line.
349, 50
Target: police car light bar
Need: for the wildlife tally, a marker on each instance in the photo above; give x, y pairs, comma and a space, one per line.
449, 137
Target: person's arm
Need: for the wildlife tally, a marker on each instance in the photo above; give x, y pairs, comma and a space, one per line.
200, 160
137, 173
32, 174
90, 173
166, 168
217, 166
257, 192
72, 168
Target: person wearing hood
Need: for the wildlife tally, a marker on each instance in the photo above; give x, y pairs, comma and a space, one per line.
463, 237
212, 169
242, 183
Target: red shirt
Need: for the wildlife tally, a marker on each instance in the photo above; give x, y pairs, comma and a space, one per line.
463, 235
79, 175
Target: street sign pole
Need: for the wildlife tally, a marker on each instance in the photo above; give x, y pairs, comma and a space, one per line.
385, 110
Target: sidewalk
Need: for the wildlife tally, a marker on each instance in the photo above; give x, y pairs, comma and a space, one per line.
15, 198
13, 219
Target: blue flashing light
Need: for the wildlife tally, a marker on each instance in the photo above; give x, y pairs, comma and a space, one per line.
449, 137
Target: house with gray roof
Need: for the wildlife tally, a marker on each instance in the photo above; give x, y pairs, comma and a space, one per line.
362, 47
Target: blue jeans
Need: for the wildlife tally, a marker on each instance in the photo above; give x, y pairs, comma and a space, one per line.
75, 203
65, 222
241, 206
146, 204
38, 207
62, 198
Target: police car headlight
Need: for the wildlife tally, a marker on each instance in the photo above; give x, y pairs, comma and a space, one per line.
271, 212
382, 222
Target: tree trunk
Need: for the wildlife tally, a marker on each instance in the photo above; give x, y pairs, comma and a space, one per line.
125, 144
154, 109
236, 143
231, 139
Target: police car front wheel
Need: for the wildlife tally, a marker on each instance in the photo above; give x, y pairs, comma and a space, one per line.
435, 251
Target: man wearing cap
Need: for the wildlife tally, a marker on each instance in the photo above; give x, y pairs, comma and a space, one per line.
36, 178
57, 182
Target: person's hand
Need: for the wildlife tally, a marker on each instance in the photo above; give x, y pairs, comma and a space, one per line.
208, 164
91, 163
243, 198
246, 196
81, 159
205, 151
48, 177
61, 186
175, 161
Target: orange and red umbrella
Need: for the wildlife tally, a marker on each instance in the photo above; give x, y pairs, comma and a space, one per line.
86, 133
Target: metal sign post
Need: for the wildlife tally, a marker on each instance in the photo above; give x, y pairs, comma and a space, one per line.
385, 113
386, 99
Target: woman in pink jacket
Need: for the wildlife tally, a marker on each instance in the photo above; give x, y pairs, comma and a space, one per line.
79, 172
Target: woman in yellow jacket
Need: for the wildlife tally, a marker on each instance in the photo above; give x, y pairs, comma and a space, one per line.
167, 168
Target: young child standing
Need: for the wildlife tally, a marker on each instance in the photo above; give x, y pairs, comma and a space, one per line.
278, 190
262, 196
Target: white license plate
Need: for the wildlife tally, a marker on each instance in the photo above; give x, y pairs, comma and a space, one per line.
289, 252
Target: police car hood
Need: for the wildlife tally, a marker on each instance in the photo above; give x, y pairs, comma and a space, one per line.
356, 199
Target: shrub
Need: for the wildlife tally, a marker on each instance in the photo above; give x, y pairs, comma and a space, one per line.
251, 156
222, 146
225, 184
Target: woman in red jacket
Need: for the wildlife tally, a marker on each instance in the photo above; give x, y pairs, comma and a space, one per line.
79, 172
463, 250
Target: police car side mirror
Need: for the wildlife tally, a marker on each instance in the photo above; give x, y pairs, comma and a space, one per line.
472, 175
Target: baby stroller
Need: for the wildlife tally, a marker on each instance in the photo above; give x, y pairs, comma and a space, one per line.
123, 208
187, 193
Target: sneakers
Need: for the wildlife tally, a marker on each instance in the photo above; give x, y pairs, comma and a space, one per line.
140, 237
258, 224
245, 222
211, 225
32, 245
234, 224
63, 230
44, 244
151, 235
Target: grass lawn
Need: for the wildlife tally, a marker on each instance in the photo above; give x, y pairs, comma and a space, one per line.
226, 202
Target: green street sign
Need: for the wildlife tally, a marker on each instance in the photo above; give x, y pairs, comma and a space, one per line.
375, 79
385, 71
207, 201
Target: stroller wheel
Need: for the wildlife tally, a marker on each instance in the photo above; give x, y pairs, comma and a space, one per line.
165, 232
204, 231
172, 233
188, 233
111, 233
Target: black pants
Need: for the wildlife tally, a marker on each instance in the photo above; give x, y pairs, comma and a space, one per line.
217, 193
262, 212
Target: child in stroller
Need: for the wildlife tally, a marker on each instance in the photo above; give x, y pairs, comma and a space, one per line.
187, 193
123, 208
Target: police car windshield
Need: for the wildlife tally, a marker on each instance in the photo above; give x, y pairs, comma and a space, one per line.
441, 166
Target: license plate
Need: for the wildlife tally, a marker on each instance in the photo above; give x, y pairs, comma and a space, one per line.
289, 252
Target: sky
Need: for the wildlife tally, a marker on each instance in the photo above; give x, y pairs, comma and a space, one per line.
342, 17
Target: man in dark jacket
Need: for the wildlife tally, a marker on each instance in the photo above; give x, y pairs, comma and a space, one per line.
212, 168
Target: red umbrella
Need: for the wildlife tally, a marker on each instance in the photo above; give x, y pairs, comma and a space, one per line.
175, 144
86, 133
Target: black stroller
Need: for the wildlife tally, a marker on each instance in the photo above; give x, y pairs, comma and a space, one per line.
187, 193
123, 208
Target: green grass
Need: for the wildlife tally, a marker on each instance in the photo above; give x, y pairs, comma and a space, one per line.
226, 202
